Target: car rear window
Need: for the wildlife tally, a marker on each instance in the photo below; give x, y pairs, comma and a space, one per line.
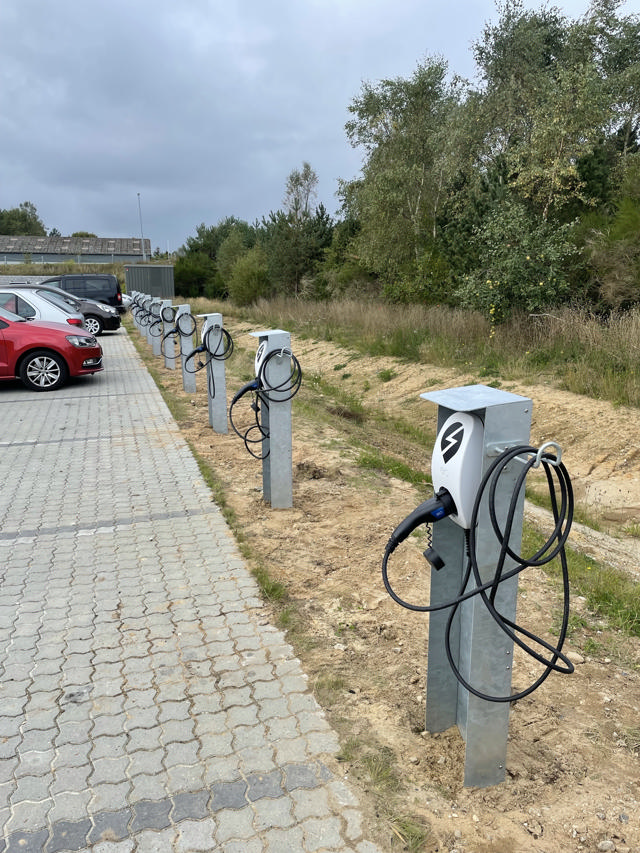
58, 300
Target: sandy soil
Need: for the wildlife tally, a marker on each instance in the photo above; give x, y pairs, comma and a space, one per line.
573, 775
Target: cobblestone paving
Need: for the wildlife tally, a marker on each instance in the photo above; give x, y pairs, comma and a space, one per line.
146, 703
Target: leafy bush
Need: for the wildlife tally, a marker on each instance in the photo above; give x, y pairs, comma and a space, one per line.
249, 277
524, 264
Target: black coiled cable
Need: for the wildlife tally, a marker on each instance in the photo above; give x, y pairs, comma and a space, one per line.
263, 392
558, 482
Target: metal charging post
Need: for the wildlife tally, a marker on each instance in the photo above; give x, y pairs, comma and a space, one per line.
145, 306
482, 652
277, 476
155, 327
212, 334
167, 345
153, 307
186, 346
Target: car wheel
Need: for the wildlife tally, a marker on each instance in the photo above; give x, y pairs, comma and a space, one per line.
43, 370
93, 324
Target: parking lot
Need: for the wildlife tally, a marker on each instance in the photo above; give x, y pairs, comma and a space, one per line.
148, 704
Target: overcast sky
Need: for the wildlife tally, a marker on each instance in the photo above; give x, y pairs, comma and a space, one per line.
128, 113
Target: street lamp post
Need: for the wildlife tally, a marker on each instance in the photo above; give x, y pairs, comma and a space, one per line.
144, 256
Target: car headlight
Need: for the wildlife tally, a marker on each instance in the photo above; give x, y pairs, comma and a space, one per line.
82, 340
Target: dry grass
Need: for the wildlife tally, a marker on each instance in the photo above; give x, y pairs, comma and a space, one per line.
581, 351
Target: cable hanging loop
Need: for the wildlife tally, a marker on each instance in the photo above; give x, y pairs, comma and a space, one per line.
555, 461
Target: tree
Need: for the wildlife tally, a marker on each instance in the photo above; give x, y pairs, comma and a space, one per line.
235, 244
300, 192
408, 133
22, 221
559, 98
208, 239
294, 248
195, 275
249, 277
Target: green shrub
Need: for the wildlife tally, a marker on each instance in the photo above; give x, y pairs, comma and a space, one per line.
524, 264
249, 277
194, 275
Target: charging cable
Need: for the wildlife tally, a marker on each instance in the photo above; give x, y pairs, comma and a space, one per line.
561, 496
220, 351
264, 390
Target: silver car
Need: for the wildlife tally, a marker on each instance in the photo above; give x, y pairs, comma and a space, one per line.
26, 303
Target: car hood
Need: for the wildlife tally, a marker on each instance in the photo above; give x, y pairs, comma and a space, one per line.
67, 328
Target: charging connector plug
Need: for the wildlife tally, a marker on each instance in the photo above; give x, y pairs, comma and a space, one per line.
437, 507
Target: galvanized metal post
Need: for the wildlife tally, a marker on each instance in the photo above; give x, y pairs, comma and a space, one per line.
277, 476
146, 302
150, 306
186, 346
155, 327
168, 346
480, 649
212, 334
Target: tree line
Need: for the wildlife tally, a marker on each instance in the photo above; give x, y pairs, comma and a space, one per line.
520, 191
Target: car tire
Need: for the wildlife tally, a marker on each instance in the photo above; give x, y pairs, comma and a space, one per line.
43, 370
93, 324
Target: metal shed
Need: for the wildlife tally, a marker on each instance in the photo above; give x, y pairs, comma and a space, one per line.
154, 279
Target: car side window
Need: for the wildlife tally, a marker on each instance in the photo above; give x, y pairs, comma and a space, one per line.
8, 302
23, 309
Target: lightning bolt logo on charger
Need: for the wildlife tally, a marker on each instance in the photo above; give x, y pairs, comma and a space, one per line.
451, 440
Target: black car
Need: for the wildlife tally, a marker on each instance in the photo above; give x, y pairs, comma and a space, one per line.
103, 287
98, 317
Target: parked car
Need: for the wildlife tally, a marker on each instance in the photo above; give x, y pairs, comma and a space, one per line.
127, 301
98, 317
103, 287
44, 355
29, 305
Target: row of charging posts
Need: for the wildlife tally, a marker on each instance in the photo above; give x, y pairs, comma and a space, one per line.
170, 331
480, 463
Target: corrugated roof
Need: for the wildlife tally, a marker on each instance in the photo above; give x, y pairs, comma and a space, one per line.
76, 245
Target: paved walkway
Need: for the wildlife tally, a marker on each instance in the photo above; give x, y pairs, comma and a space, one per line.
146, 704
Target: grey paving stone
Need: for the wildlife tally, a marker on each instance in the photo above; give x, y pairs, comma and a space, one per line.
151, 815
195, 836
193, 805
27, 842
231, 795
68, 835
234, 824
267, 785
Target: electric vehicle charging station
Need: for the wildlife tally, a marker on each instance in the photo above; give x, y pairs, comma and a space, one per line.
218, 346
186, 326
153, 307
277, 473
479, 465
167, 343
155, 327
277, 380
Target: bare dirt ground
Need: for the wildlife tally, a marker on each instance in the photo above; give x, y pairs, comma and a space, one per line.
573, 773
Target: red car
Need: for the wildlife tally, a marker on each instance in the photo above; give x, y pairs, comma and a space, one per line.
44, 355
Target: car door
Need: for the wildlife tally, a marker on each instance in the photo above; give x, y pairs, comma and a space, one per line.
4, 352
